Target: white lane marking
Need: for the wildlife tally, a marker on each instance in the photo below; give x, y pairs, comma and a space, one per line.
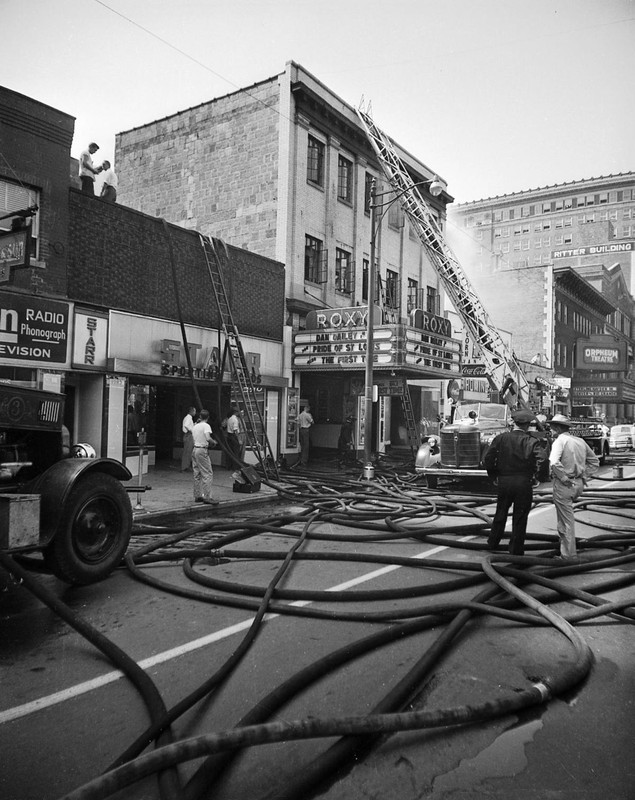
24, 710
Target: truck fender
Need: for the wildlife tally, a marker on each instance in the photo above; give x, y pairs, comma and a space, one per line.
56, 483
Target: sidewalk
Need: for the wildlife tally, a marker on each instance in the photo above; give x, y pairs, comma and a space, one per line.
172, 492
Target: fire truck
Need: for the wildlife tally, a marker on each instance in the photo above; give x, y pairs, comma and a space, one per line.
57, 499
459, 450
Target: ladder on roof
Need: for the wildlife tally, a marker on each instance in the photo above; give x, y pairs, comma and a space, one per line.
503, 371
243, 388
412, 432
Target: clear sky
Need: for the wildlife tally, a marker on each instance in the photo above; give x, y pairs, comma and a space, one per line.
496, 96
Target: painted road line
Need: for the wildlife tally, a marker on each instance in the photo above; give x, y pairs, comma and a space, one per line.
72, 692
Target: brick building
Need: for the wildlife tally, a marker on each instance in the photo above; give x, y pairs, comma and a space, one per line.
554, 265
283, 168
100, 312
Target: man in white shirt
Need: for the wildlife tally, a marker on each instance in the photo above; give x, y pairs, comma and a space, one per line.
188, 441
201, 464
109, 187
87, 169
572, 463
305, 420
233, 436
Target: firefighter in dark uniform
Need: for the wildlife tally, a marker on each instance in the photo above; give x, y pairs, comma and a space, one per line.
513, 461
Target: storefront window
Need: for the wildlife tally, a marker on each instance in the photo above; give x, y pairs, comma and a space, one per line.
141, 414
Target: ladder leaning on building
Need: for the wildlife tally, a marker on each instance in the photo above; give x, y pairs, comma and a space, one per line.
243, 389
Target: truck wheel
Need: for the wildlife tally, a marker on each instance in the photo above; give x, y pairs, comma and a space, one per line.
94, 531
432, 481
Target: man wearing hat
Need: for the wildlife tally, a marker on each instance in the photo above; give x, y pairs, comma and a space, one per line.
571, 462
513, 460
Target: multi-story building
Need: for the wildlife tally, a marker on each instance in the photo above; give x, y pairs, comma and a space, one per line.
283, 168
108, 303
554, 266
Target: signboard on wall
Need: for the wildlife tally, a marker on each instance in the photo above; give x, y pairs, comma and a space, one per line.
90, 340
600, 353
33, 329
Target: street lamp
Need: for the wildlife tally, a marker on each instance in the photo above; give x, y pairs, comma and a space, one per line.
436, 187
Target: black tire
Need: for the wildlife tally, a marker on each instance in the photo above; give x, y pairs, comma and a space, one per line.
432, 481
94, 531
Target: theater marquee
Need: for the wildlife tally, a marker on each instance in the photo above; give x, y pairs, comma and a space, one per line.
337, 339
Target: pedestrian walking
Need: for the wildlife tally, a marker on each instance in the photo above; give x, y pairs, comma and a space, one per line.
572, 463
188, 442
513, 461
305, 420
201, 463
87, 170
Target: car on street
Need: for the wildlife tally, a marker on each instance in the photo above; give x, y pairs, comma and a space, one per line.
622, 437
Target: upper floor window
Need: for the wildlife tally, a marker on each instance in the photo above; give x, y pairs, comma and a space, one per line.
14, 197
433, 300
344, 179
315, 161
392, 289
343, 271
413, 295
365, 271
368, 184
315, 260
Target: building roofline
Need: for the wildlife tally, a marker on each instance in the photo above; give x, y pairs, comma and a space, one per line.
540, 190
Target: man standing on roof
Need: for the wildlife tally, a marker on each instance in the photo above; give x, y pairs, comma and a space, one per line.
87, 170
513, 460
572, 463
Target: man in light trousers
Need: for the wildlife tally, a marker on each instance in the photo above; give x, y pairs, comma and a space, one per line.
201, 464
572, 463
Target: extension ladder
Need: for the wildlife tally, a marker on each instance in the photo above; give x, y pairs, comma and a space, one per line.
412, 431
503, 370
243, 389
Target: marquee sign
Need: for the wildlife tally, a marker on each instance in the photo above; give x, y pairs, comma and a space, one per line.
345, 347
601, 353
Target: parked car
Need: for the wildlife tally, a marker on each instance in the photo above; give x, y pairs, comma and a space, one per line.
622, 437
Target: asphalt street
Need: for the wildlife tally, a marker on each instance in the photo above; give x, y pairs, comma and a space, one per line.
67, 712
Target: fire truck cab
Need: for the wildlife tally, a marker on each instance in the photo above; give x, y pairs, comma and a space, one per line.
57, 499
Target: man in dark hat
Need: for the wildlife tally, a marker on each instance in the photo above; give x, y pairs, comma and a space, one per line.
513, 460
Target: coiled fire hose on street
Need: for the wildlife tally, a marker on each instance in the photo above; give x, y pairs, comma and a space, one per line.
388, 510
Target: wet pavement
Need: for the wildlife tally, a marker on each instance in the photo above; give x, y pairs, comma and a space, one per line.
171, 491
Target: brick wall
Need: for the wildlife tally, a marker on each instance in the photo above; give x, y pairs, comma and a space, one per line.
212, 168
35, 142
120, 259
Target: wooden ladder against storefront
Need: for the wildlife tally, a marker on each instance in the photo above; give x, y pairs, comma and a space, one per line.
244, 391
412, 431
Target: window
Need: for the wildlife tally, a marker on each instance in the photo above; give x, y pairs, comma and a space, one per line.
546, 208
365, 268
413, 295
344, 179
315, 162
343, 271
392, 289
315, 260
14, 197
395, 216
368, 183
433, 301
